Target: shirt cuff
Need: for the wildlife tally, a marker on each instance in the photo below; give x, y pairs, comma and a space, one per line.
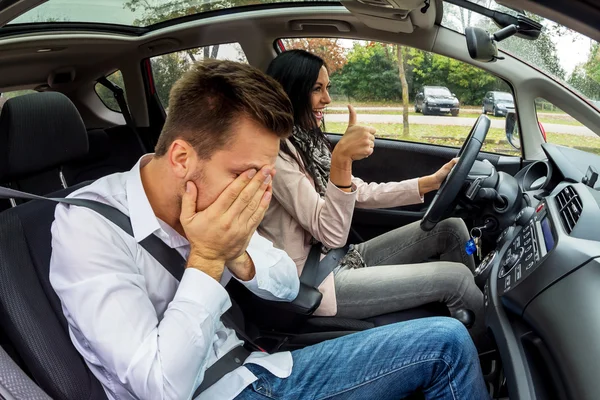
199, 288
414, 196
263, 261
338, 194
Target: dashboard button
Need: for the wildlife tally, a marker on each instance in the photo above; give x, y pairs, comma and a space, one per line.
528, 249
507, 282
529, 265
529, 257
518, 272
539, 208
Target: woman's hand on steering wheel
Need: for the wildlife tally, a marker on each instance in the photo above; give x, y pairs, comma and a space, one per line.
445, 199
434, 181
441, 174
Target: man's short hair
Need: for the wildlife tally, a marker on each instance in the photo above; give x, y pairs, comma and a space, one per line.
210, 98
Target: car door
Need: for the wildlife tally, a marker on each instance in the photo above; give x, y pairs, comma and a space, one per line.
395, 160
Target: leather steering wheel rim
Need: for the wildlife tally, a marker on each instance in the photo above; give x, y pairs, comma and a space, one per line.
444, 201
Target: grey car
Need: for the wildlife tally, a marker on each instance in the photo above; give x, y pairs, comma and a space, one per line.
498, 103
436, 100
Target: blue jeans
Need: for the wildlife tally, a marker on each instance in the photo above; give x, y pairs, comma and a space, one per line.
433, 355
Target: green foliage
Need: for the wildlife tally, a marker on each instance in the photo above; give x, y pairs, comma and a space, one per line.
167, 69
469, 83
592, 66
371, 73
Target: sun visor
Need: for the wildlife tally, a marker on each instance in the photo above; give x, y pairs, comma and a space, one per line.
398, 16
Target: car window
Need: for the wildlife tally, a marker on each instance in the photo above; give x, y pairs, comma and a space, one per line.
168, 68
437, 92
562, 129
107, 97
503, 96
445, 96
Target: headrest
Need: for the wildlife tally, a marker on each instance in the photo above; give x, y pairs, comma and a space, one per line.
39, 131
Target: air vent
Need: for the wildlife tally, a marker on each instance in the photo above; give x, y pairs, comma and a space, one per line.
570, 207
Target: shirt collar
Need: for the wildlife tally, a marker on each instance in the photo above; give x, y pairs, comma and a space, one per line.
143, 220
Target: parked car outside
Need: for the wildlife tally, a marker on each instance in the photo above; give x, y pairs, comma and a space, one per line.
498, 103
436, 100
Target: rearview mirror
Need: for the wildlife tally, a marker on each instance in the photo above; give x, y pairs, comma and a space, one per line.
481, 45
512, 130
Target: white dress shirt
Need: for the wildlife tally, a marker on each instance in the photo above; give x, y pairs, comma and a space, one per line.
142, 333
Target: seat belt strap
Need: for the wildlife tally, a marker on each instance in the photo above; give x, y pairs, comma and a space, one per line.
308, 275
316, 270
172, 261
119, 95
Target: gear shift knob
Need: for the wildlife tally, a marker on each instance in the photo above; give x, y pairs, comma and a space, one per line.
467, 317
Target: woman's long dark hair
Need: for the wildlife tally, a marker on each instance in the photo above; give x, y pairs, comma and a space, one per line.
298, 71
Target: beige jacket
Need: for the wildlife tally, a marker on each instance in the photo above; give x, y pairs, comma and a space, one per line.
298, 213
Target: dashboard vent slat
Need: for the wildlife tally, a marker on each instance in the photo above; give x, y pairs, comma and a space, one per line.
570, 207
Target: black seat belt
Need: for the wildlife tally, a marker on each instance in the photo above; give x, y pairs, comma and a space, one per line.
119, 95
173, 262
316, 269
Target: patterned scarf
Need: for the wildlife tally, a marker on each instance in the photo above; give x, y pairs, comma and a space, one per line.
318, 165
318, 156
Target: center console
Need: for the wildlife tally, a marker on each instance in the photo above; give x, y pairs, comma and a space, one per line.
528, 247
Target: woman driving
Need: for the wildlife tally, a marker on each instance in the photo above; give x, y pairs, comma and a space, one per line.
314, 196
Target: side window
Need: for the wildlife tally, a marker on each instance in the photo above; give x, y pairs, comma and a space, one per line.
168, 68
106, 95
562, 129
445, 96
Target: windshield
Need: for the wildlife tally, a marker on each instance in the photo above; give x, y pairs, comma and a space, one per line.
503, 96
437, 92
565, 55
129, 12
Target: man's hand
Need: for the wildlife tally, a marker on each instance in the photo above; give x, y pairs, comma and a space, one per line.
242, 267
222, 231
433, 182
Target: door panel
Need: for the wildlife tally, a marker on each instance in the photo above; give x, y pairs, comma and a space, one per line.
395, 160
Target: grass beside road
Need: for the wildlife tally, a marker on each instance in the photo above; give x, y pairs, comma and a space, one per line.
446, 135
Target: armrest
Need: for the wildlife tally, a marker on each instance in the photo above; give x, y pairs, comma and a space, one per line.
307, 301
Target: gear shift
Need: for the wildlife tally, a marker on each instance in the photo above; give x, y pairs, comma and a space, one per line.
467, 317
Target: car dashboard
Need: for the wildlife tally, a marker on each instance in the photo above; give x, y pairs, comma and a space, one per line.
542, 294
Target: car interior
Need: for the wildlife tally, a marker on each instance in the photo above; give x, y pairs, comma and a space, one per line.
536, 207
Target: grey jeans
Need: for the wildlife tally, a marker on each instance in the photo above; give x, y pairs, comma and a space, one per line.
397, 278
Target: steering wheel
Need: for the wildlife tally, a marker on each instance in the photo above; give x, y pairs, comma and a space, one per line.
445, 199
